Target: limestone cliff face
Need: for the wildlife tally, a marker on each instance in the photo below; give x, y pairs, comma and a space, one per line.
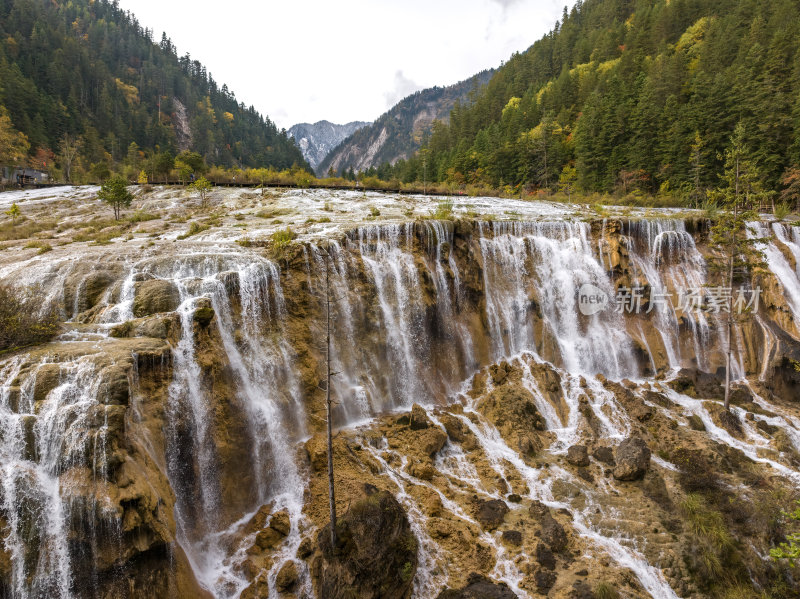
170, 443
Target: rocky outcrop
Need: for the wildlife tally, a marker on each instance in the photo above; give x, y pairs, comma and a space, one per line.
479, 587
632, 458
491, 513
376, 555
578, 455
153, 296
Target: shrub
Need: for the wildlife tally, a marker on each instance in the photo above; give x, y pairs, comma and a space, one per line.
141, 216
782, 210
23, 319
444, 210
42, 246
281, 240
194, 228
790, 550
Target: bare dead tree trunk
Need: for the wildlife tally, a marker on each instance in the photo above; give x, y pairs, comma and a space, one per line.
731, 260
331, 490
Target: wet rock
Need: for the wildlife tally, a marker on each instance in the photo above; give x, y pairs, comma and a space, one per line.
280, 523
376, 556
287, 577
632, 457
258, 589
499, 372
491, 513
115, 387
204, 312
155, 296
512, 537
545, 557
419, 418
422, 470
512, 409
578, 455
94, 285
659, 399
47, 379
604, 454
456, 429
544, 580
431, 441
766, 427
479, 587
552, 533
699, 384
306, 548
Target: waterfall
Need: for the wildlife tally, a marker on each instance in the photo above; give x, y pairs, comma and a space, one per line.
419, 310
535, 270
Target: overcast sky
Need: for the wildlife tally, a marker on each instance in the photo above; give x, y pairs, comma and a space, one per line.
349, 60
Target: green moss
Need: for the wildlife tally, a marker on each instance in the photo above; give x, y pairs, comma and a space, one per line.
605, 591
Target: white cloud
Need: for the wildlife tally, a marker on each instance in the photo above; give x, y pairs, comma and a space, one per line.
403, 86
343, 61
506, 3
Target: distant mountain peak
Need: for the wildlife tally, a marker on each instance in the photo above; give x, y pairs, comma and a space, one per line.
316, 140
399, 132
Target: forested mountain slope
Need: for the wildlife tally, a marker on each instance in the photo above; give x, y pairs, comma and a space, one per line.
636, 94
399, 132
89, 70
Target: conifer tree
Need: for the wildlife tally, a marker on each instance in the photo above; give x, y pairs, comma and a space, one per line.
736, 247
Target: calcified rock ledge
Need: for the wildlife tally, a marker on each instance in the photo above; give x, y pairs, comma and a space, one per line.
492, 440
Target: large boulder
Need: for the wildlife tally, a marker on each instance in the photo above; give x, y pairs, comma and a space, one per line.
578, 455
491, 513
632, 457
479, 587
94, 286
154, 296
376, 554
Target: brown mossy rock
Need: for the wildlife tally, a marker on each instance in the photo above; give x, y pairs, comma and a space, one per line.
490, 513
604, 454
479, 587
415, 434
154, 296
203, 312
698, 384
632, 458
457, 431
93, 287
417, 419
286, 579
376, 553
725, 419
578, 455
512, 409
552, 533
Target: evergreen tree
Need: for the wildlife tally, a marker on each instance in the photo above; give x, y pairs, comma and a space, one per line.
736, 248
114, 192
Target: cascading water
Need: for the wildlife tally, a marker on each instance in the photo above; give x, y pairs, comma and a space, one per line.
418, 309
537, 269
